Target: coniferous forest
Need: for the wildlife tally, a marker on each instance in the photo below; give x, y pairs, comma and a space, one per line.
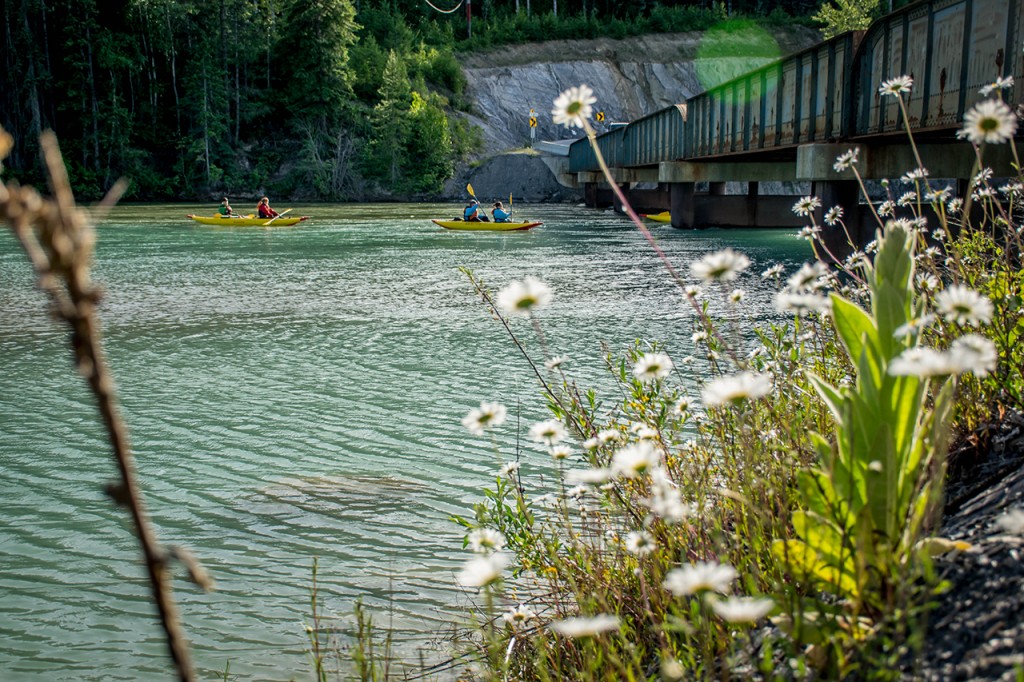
310, 99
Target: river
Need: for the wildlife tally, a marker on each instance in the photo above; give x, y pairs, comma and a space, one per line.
296, 392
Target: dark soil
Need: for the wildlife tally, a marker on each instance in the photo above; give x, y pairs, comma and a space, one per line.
977, 630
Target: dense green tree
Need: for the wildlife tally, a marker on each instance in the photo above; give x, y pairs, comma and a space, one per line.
386, 153
312, 55
189, 98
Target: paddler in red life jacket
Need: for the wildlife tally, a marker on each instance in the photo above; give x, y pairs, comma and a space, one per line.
264, 209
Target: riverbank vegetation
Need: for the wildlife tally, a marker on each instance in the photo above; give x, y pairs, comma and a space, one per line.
331, 100
758, 503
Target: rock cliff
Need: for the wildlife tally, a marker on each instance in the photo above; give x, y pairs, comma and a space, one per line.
630, 78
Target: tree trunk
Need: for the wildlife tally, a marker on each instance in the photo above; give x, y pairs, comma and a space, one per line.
95, 101
174, 72
31, 75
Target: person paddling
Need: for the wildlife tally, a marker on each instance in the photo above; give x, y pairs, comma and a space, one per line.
471, 213
500, 214
264, 209
225, 210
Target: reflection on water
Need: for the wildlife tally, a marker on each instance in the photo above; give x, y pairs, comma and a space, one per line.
295, 392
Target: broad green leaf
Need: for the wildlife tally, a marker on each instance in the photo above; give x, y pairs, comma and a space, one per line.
854, 325
832, 396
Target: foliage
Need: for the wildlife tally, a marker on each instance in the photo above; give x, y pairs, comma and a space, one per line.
808, 479
186, 99
847, 15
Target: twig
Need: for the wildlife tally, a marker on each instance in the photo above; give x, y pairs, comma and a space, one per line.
58, 239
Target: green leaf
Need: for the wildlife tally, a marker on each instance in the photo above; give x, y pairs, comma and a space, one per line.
832, 396
854, 325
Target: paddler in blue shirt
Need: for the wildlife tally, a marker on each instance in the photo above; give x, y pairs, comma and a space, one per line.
472, 211
500, 214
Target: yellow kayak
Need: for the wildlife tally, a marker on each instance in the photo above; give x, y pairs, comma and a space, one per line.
663, 217
489, 226
245, 220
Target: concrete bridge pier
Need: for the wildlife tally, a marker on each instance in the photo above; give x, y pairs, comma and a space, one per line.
836, 238
682, 204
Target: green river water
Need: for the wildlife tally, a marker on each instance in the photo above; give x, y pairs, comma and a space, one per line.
291, 393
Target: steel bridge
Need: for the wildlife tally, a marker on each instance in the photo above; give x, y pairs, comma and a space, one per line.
788, 120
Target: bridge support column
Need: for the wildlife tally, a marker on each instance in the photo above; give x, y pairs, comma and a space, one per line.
846, 194
716, 189
682, 205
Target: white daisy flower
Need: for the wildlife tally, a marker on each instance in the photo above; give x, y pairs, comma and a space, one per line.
518, 616
806, 277
693, 291
548, 432
887, 208
907, 199
990, 121
736, 388
974, 353
573, 107
915, 175
698, 338
644, 432
577, 491
640, 542
635, 459
742, 609
522, 298
774, 271
721, 266
682, 405
806, 205
833, 215
665, 501
954, 206
1001, 83
486, 416
927, 282
846, 159
922, 362
702, 576
560, 452
914, 326
736, 296
962, 305
586, 627
605, 436
508, 469
801, 304
895, 87
485, 541
483, 570
809, 232
652, 367
556, 362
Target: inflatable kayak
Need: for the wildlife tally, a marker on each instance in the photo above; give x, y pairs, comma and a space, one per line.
490, 226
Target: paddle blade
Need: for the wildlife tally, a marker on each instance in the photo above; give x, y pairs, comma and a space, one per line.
510, 201
469, 188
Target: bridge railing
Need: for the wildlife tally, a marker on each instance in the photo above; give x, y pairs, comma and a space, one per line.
951, 48
582, 157
798, 99
657, 137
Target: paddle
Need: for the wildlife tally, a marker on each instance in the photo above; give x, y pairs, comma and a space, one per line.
277, 216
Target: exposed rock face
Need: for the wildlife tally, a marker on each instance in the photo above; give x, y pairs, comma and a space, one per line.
630, 78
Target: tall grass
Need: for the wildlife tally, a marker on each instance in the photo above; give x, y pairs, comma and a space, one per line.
782, 523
